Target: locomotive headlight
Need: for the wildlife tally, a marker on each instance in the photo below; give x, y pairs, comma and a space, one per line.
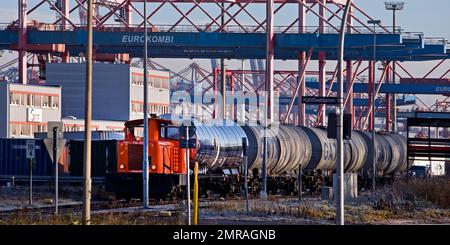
153, 167
121, 166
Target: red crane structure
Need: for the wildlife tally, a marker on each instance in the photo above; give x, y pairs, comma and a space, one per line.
313, 18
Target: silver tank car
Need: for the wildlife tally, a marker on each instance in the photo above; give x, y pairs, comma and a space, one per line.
219, 146
390, 152
383, 151
323, 149
399, 162
288, 148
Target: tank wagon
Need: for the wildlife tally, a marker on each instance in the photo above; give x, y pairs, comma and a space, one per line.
218, 150
294, 147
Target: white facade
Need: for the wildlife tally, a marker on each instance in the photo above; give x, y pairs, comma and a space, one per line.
26, 109
75, 125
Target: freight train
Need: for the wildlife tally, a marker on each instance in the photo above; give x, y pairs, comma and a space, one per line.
218, 150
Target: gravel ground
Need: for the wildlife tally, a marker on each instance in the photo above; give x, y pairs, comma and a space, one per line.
379, 208
311, 210
17, 197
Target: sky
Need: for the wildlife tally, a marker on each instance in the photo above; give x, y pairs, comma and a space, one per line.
430, 17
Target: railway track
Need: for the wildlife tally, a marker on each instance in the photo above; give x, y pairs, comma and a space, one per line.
96, 207
13, 179
101, 207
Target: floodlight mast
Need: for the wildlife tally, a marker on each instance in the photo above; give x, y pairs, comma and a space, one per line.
394, 6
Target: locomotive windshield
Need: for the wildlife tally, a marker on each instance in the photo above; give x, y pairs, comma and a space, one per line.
137, 131
169, 132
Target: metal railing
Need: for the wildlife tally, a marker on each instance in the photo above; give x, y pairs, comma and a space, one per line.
202, 28
412, 35
435, 41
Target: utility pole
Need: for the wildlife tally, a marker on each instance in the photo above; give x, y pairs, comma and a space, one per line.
188, 180
394, 6
242, 116
268, 115
340, 119
223, 77
145, 163
244, 151
86, 219
55, 160
374, 148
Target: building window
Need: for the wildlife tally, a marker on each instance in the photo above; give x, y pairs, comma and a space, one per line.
30, 100
15, 129
151, 82
135, 108
23, 99
137, 80
165, 83
55, 102
42, 128
34, 129
46, 100
25, 130
37, 100
14, 99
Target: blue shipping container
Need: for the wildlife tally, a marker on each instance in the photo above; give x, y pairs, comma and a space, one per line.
79, 135
13, 159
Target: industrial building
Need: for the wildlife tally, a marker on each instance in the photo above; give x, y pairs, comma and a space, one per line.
117, 90
29, 107
26, 109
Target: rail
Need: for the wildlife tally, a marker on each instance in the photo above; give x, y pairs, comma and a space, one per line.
62, 179
202, 28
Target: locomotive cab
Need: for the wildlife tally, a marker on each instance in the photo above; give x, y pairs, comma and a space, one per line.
166, 159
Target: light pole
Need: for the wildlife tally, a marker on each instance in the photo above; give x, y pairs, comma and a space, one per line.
394, 6
87, 185
145, 163
340, 119
374, 155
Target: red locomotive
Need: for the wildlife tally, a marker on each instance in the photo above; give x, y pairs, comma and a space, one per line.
167, 160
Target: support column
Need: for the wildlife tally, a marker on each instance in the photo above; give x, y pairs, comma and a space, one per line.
394, 103
223, 79
348, 85
223, 88
22, 42
242, 116
349, 109
65, 10
371, 93
301, 67
233, 115
322, 87
388, 107
268, 117
322, 23
269, 61
322, 62
64, 24
216, 99
393, 96
129, 13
